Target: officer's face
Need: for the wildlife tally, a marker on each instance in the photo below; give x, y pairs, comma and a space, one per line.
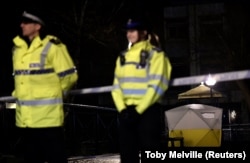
30, 30
134, 35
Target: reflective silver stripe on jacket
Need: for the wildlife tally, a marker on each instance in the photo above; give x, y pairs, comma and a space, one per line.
40, 102
44, 54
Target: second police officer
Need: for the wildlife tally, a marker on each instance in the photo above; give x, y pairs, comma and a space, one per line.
141, 78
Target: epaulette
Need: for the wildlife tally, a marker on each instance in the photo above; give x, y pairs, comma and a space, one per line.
157, 49
13, 49
55, 41
122, 57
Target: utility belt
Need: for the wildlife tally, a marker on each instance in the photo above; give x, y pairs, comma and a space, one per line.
33, 72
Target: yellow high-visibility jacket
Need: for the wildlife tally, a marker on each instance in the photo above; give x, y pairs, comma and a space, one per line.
139, 85
42, 73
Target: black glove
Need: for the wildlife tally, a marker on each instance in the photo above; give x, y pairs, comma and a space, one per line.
2, 106
130, 115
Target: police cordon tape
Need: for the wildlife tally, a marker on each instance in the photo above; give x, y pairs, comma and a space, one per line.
218, 77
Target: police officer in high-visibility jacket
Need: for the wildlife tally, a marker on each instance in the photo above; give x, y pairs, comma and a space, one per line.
43, 72
141, 78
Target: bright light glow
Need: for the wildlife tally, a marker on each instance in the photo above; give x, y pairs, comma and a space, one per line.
233, 115
210, 81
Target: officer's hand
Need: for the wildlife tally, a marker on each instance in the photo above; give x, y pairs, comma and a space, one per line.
130, 114
133, 113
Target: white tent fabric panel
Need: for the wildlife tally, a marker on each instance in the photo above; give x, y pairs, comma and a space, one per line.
198, 124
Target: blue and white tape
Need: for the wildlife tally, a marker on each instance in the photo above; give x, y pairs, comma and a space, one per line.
219, 77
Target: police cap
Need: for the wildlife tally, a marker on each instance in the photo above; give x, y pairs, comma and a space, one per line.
137, 24
32, 17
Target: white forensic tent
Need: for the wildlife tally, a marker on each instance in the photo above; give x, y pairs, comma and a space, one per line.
200, 125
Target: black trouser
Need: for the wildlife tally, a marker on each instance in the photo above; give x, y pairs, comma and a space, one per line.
41, 145
142, 134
